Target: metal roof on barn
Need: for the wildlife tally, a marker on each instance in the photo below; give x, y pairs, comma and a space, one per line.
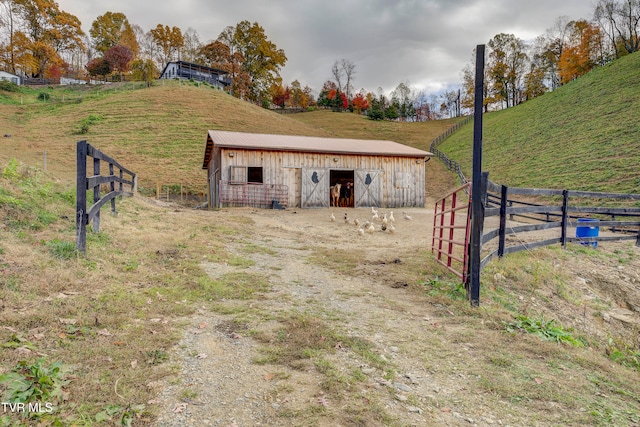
311, 144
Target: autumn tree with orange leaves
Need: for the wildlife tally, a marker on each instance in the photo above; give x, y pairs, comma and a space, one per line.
40, 34
222, 56
169, 41
580, 56
360, 102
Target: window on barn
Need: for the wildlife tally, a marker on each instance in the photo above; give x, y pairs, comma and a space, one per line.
402, 179
254, 174
238, 175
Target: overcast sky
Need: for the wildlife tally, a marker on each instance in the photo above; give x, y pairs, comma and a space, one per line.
423, 42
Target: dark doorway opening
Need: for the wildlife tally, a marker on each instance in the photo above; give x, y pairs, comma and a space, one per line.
345, 179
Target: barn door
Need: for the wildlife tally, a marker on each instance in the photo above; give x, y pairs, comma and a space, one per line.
315, 188
367, 188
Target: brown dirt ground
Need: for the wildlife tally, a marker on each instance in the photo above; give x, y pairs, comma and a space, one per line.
374, 299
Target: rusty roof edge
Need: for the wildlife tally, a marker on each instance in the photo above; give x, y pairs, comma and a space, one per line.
359, 153
411, 151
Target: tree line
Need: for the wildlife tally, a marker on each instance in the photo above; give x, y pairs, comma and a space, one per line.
37, 39
517, 70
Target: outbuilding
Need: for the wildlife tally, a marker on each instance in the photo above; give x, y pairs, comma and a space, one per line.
4, 75
266, 170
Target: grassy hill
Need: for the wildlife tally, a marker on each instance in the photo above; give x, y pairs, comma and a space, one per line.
583, 136
157, 132
160, 132
104, 327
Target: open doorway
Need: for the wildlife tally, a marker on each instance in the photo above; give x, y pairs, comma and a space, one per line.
345, 179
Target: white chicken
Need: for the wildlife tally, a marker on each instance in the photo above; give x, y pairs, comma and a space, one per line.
375, 216
385, 220
371, 228
356, 222
346, 218
391, 218
332, 218
392, 229
373, 211
407, 216
361, 231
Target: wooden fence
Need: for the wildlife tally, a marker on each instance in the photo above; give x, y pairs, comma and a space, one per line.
95, 182
557, 221
452, 165
571, 211
184, 194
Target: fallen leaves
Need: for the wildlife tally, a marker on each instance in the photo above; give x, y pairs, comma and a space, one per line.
180, 407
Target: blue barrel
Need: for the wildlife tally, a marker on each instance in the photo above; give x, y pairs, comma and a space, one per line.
590, 230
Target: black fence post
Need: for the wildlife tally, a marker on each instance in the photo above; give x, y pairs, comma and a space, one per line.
477, 196
503, 220
565, 208
81, 196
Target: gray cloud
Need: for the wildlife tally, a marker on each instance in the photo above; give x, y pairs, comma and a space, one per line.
424, 42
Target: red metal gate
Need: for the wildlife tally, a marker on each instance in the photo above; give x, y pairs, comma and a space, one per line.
451, 225
252, 194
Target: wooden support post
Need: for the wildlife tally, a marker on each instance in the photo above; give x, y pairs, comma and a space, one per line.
158, 190
81, 196
112, 187
565, 208
96, 195
503, 220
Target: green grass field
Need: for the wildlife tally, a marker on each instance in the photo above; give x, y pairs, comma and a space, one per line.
77, 323
582, 136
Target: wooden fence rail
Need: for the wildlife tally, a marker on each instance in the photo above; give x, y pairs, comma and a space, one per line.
452, 165
627, 229
84, 183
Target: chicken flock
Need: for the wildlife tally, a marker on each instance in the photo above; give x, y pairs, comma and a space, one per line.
379, 220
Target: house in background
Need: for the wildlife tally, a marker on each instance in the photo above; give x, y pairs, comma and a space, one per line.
246, 169
189, 71
9, 77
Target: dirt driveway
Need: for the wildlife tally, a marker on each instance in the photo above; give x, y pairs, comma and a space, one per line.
366, 286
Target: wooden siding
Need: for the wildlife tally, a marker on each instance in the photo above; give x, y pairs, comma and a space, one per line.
394, 181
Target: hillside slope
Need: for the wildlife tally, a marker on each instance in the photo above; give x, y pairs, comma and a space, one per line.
159, 132
584, 135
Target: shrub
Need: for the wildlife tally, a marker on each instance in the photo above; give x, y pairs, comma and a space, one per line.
86, 123
8, 86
